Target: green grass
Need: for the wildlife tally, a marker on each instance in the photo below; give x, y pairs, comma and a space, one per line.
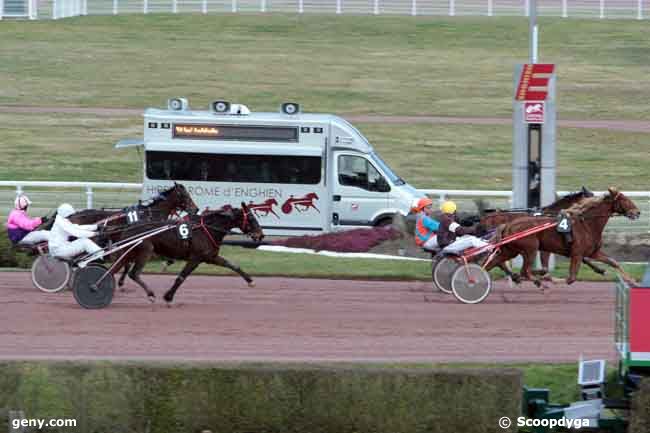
340, 64
80, 147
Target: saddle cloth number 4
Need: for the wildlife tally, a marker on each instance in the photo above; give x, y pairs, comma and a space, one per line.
564, 224
183, 231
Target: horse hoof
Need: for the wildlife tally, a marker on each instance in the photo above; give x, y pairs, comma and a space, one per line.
251, 284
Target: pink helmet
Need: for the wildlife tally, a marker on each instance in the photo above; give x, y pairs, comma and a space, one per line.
21, 202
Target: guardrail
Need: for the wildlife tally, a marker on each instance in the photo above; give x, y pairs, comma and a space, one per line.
84, 194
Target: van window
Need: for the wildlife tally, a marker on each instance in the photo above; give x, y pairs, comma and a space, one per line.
234, 168
358, 171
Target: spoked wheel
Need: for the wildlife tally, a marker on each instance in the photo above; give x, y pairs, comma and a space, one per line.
50, 274
471, 284
93, 286
443, 269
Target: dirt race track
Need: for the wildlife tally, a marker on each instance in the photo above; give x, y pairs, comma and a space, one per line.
283, 319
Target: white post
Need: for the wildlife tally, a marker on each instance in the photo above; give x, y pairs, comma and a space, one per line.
175, 6
114, 7
32, 9
452, 8
204, 6
19, 190
375, 7
602, 9
414, 7
85, 7
565, 9
639, 10
89, 197
490, 8
2, 9
145, 7
233, 7
527, 8
262, 5
338, 7
301, 7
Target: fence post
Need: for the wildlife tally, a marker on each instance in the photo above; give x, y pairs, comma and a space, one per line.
490, 8
262, 5
375, 7
84, 7
527, 7
338, 7
89, 197
114, 7
602, 9
452, 8
175, 6
233, 7
301, 7
639, 10
145, 7
565, 9
2, 8
414, 7
204, 6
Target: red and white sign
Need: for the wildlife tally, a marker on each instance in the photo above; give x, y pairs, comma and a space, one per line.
533, 83
534, 112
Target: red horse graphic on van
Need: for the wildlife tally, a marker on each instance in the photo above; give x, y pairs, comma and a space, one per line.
266, 207
301, 204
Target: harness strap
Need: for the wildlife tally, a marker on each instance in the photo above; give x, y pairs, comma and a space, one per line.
207, 232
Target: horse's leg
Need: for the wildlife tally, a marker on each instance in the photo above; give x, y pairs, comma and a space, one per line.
604, 258
126, 267
573, 269
597, 269
185, 272
526, 268
220, 261
142, 255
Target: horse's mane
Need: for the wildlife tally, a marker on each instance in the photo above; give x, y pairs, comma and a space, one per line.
586, 205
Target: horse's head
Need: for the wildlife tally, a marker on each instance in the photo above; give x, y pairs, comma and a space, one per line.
179, 198
622, 204
248, 224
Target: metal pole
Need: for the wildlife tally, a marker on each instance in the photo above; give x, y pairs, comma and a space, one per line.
2, 9
639, 10
175, 6
452, 8
532, 29
565, 12
301, 7
375, 8
414, 7
338, 7
490, 8
204, 6
234, 6
602, 9
145, 6
114, 7
262, 5
89, 197
85, 7
527, 8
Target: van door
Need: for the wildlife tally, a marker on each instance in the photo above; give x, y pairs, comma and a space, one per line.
360, 191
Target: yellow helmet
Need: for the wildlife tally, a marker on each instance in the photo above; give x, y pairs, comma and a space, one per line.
448, 207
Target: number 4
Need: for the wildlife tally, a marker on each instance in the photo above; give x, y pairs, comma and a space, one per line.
564, 224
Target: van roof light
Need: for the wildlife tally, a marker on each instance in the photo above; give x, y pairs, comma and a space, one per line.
177, 104
290, 108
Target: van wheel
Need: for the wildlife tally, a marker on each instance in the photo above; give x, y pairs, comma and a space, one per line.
384, 222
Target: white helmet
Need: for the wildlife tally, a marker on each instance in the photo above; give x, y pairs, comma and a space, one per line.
65, 210
21, 202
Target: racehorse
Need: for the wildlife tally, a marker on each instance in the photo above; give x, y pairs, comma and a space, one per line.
588, 219
202, 246
491, 220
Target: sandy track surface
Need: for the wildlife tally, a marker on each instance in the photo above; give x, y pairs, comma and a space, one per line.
285, 319
617, 125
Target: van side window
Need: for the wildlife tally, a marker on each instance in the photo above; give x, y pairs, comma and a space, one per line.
358, 171
304, 170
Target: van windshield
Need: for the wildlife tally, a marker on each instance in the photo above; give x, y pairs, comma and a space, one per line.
395, 179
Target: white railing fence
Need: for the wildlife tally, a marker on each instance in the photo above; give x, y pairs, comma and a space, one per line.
46, 196
630, 9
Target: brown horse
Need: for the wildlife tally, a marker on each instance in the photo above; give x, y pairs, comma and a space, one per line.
494, 218
206, 233
588, 219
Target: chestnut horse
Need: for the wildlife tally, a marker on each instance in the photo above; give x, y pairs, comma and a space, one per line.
588, 219
206, 233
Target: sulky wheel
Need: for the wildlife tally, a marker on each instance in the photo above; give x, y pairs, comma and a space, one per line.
442, 272
93, 286
471, 284
50, 274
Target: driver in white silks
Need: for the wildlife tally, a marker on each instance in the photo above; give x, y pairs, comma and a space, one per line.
60, 246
